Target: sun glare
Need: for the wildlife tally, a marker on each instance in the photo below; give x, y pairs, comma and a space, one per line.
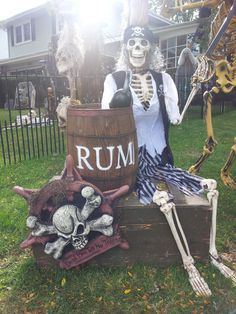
94, 11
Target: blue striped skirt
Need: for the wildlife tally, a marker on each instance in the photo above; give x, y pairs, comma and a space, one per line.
151, 170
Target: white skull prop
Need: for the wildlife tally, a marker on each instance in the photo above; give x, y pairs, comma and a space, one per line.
138, 49
72, 225
69, 224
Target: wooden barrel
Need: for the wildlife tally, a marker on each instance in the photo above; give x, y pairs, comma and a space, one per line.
103, 145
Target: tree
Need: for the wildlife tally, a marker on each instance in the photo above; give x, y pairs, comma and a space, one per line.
179, 17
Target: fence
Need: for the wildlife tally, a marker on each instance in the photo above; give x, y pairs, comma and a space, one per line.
28, 122
29, 137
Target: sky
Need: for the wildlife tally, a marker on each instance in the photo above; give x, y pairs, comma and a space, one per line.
13, 7
9, 9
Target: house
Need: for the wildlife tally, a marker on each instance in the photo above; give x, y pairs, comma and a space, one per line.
3, 44
31, 35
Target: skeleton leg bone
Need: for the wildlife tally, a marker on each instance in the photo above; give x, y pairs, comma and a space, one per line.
212, 195
168, 208
210, 142
225, 171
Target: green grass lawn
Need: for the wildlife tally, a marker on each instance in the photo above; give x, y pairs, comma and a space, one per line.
24, 288
5, 115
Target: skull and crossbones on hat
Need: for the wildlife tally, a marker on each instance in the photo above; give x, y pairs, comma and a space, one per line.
138, 41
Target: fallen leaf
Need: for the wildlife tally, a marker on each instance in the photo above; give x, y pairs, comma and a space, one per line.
127, 291
63, 281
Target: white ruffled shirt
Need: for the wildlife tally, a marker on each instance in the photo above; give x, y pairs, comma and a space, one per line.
149, 123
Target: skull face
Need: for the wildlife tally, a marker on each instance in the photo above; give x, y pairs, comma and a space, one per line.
138, 51
69, 225
72, 225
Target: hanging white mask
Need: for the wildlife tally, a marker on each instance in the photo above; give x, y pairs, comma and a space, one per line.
138, 52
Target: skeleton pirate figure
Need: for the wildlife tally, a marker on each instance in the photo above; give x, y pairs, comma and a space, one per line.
140, 82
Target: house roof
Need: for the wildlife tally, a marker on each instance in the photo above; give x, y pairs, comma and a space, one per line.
180, 26
26, 60
32, 11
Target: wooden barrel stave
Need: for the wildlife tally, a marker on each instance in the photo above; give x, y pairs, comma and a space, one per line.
97, 139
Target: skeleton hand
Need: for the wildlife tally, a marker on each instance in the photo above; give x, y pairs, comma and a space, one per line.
160, 197
175, 121
209, 184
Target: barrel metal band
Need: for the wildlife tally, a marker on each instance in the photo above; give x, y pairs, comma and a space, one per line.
73, 134
110, 178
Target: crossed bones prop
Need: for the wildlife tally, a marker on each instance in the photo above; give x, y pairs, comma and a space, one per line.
81, 209
71, 225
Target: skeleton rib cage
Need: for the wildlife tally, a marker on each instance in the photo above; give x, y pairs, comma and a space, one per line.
142, 85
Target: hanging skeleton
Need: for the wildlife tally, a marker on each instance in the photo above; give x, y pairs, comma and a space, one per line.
141, 59
69, 58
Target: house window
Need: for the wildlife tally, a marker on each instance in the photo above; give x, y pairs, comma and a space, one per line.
22, 33
171, 49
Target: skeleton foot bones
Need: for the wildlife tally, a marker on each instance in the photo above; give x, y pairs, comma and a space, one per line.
198, 284
212, 195
162, 199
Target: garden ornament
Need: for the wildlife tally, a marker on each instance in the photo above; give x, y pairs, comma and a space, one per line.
70, 212
71, 224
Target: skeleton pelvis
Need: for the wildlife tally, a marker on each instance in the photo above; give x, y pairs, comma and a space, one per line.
226, 76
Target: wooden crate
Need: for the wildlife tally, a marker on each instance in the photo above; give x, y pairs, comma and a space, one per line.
148, 234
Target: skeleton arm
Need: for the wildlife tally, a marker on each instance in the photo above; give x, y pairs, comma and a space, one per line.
109, 90
171, 98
